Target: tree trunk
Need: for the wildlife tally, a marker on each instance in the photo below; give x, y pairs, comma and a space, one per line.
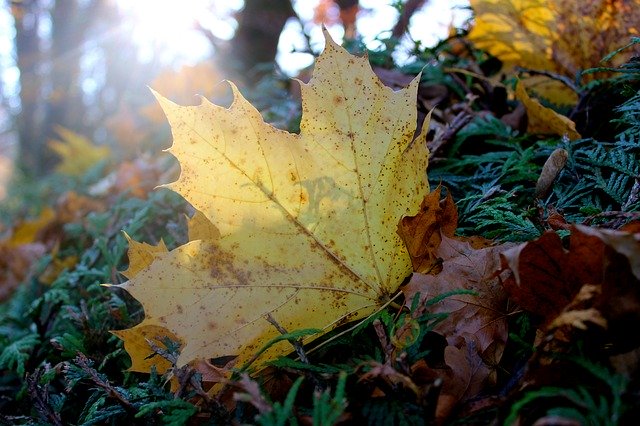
27, 17
256, 40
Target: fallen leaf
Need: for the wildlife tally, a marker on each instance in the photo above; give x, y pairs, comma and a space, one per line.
139, 343
543, 120
476, 324
596, 280
550, 171
27, 231
464, 268
557, 36
422, 233
77, 153
307, 222
546, 277
466, 376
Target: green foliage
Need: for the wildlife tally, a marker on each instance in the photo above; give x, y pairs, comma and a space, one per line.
74, 314
59, 364
281, 413
598, 406
17, 352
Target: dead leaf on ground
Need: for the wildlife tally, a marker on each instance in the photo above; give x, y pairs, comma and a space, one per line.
596, 280
476, 325
423, 232
543, 120
307, 222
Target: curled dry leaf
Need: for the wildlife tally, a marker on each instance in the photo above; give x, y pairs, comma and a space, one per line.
423, 232
307, 223
550, 171
543, 120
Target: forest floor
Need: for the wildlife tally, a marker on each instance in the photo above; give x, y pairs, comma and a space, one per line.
556, 213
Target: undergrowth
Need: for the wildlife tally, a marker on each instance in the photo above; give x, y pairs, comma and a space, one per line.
60, 364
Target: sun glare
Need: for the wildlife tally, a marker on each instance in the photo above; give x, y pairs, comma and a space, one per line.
166, 28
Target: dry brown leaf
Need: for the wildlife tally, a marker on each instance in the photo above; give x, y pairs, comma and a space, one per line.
546, 277
423, 232
465, 268
594, 281
476, 327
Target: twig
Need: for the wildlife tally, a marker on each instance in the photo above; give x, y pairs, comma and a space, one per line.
387, 347
459, 121
619, 215
40, 397
561, 78
296, 343
83, 362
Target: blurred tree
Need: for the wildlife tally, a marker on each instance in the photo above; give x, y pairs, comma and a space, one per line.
26, 15
49, 44
80, 66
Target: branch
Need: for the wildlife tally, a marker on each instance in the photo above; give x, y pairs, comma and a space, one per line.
408, 10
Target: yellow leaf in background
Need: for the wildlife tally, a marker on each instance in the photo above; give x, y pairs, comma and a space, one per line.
543, 120
559, 36
307, 222
77, 153
26, 232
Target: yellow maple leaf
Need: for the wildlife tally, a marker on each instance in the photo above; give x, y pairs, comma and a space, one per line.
559, 36
78, 153
138, 340
307, 223
543, 120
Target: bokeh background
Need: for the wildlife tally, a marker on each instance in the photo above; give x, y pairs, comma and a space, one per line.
77, 71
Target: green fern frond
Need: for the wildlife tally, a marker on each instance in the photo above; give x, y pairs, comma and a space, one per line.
16, 354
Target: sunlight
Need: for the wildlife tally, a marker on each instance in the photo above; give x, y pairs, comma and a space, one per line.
167, 28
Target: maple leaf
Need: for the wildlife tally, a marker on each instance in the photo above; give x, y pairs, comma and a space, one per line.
307, 223
78, 154
555, 35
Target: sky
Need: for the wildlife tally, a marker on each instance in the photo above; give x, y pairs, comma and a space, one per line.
169, 23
